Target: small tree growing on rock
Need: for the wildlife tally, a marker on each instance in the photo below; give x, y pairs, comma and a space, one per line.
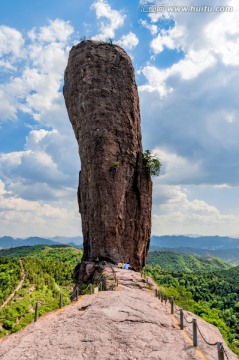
152, 163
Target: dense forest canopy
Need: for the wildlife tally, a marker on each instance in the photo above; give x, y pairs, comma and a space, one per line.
170, 260
207, 286
211, 294
48, 272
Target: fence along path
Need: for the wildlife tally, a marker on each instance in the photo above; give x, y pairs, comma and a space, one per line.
102, 285
221, 351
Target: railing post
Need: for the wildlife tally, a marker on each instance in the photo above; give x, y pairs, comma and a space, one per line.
220, 351
195, 335
156, 293
77, 293
159, 294
61, 302
90, 289
172, 305
181, 319
36, 312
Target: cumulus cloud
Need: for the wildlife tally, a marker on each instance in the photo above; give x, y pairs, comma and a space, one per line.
151, 27
36, 89
175, 213
114, 20
57, 31
170, 39
128, 41
36, 217
40, 181
7, 105
43, 170
177, 169
193, 112
11, 41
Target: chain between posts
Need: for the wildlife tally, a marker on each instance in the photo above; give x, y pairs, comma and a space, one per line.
208, 343
224, 351
220, 348
189, 322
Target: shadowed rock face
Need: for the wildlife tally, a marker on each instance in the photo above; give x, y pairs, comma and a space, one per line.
115, 191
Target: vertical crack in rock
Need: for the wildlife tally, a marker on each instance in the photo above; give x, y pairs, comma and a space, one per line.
115, 190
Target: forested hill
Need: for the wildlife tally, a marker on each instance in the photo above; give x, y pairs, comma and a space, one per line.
230, 255
63, 253
43, 272
172, 261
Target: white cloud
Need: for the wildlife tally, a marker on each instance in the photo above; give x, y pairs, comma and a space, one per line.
156, 81
176, 169
58, 30
43, 171
2, 188
226, 28
115, 20
151, 27
222, 186
230, 117
197, 36
36, 217
38, 138
35, 89
171, 39
193, 109
6, 65
194, 63
175, 213
128, 41
7, 105
11, 41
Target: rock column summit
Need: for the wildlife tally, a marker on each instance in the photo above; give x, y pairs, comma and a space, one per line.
115, 189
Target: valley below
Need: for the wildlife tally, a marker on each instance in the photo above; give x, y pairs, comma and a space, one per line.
205, 286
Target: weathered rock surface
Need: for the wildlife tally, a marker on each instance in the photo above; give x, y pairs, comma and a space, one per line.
115, 191
127, 324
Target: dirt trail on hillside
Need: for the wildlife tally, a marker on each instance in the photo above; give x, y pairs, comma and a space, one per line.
127, 324
23, 274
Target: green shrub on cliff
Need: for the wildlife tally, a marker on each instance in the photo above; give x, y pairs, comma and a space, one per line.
152, 163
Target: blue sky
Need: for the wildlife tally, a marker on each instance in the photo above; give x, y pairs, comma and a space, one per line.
187, 71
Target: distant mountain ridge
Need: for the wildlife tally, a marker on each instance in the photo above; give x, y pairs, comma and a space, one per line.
7, 242
157, 242
201, 242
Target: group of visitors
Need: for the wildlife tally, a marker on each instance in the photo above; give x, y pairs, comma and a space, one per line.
125, 266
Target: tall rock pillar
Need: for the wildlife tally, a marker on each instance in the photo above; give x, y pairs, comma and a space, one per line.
115, 190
